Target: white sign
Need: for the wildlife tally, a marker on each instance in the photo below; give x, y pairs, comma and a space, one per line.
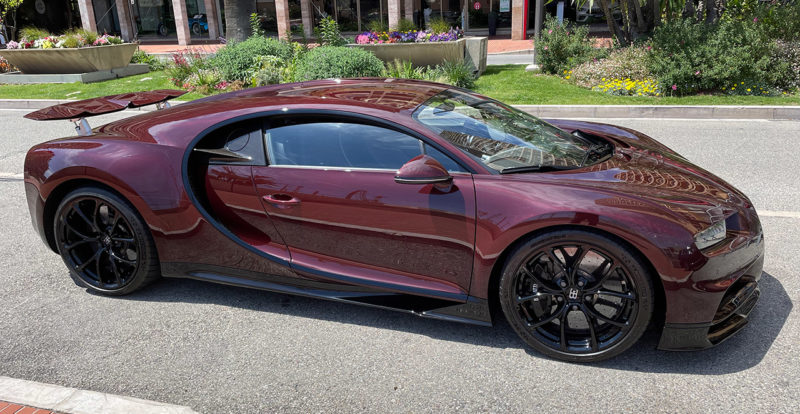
505, 5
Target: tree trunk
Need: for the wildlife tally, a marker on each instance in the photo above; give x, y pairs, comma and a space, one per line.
655, 7
237, 19
641, 25
711, 11
13, 29
688, 9
613, 27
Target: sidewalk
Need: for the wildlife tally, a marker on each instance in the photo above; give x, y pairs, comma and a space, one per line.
498, 45
11, 408
26, 395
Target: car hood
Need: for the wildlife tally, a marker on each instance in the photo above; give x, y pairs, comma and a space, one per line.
642, 170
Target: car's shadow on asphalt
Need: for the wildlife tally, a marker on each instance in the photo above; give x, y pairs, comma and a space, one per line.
744, 350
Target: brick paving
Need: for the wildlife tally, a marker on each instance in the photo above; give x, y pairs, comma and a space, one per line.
11, 408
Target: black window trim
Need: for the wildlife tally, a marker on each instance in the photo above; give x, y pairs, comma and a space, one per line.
344, 116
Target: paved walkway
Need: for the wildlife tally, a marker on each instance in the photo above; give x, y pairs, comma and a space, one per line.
11, 408
497, 44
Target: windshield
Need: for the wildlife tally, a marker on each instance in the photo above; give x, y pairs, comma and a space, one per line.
500, 137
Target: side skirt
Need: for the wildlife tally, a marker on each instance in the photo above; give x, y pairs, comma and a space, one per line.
474, 311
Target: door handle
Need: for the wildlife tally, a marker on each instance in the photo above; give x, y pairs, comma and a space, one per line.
281, 200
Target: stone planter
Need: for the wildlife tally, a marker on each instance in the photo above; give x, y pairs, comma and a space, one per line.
80, 60
432, 53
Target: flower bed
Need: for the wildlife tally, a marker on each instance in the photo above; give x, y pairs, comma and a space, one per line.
411, 36
66, 41
70, 60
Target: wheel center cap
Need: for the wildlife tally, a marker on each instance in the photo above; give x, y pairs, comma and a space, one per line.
106, 240
573, 293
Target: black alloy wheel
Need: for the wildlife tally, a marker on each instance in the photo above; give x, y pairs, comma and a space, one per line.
104, 242
576, 295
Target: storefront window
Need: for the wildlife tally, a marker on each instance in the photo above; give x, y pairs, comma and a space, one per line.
153, 17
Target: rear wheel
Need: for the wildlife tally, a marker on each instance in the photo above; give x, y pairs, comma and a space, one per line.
576, 295
104, 242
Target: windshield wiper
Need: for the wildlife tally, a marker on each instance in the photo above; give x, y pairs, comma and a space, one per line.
534, 168
598, 149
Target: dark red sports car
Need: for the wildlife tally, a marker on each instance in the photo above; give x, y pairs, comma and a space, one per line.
405, 195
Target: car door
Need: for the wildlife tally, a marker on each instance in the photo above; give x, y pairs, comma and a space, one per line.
329, 188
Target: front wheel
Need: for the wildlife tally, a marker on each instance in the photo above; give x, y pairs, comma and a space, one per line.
104, 242
576, 295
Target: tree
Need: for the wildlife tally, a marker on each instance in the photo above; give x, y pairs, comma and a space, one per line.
9, 7
237, 19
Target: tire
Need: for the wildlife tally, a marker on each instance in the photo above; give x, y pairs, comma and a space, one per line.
196, 29
576, 295
104, 242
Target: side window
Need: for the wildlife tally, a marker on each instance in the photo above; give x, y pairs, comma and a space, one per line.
446, 161
346, 145
238, 143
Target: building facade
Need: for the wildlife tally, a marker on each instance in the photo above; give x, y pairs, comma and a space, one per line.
191, 20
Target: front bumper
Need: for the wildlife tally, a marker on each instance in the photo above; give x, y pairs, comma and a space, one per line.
731, 314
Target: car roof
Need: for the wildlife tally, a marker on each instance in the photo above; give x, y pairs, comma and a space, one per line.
380, 97
389, 94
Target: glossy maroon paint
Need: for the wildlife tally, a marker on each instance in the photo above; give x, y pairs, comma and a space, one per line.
369, 228
103, 105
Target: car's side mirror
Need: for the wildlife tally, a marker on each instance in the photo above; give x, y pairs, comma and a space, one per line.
423, 169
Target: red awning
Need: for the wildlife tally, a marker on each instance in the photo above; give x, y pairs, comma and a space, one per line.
103, 105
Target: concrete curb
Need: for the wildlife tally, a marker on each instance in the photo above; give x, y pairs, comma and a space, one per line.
75, 401
568, 111
664, 111
513, 52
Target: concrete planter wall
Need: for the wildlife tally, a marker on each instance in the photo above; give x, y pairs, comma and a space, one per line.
432, 53
81, 60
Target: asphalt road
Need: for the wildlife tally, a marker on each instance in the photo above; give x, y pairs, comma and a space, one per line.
224, 349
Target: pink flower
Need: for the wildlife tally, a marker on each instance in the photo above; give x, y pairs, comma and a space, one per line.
697, 73
550, 31
755, 19
649, 47
545, 48
674, 87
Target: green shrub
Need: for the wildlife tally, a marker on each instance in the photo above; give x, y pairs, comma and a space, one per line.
184, 65
235, 59
154, 63
71, 41
785, 61
268, 70
377, 26
779, 20
327, 62
439, 25
329, 34
88, 36
460, 74
405, 25
689, 57
561, 47
403, 70
32, 33
255, 25
624, 63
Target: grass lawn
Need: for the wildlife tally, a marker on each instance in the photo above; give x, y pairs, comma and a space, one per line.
511, 84
507, 83
147, 81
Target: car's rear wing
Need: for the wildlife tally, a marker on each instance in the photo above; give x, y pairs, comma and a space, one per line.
78, 111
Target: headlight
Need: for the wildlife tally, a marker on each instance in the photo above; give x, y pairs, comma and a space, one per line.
710, 236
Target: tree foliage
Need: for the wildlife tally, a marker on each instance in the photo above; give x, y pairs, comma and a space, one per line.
8, 8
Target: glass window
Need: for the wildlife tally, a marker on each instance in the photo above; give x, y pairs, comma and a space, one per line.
345, 145
503, 138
